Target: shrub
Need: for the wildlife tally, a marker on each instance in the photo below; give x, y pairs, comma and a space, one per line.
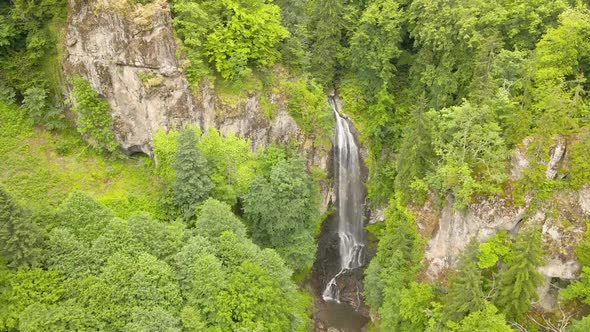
94, 119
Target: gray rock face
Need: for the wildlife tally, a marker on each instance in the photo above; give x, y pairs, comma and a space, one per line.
244, 118
563, 223
456, 228
557, 155
519, 161
128, 55
584, 200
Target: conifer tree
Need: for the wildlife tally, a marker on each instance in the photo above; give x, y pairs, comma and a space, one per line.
519, 278
396, 265
192, 183
465, 291
416, 152
20, 239
325, 35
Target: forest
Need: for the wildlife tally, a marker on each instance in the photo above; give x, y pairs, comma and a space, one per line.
209, 232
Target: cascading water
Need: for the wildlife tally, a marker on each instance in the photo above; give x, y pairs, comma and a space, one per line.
349, 197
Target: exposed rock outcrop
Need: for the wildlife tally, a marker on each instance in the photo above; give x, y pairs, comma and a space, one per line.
128, 55
456, 228
584, 200
563, 222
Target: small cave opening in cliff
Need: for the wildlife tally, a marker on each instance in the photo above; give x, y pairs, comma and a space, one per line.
137, 152
139, 157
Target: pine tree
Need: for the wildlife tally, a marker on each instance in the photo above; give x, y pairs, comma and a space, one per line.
465, 291
192, 183
416, 152
519, 278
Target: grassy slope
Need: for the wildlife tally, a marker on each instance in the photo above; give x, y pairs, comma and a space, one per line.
32, 169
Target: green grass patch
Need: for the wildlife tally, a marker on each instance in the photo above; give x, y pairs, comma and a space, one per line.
41, 168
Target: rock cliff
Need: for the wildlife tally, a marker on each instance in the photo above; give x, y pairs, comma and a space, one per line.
563, 222
129, 55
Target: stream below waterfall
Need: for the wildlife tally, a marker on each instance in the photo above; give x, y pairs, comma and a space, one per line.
342, 316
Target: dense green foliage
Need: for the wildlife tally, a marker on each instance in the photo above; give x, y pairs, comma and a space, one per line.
465, 294
485, 320
519, 279
395, 266
191, 183
231, 35
94, 119
44, 167
206, 237
307, 105
580, 289
101, 272
471, 152
282, 208
20, 237
36, 102
441, 90
231, 162
29, 38
69, 262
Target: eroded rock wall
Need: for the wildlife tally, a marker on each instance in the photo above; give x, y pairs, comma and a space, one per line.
128, 55
562, 221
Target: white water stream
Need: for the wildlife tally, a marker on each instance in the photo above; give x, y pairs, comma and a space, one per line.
350, 206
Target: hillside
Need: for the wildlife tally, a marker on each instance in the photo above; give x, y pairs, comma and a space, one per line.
316, 165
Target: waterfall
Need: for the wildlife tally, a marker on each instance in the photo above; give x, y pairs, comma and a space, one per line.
349, 211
